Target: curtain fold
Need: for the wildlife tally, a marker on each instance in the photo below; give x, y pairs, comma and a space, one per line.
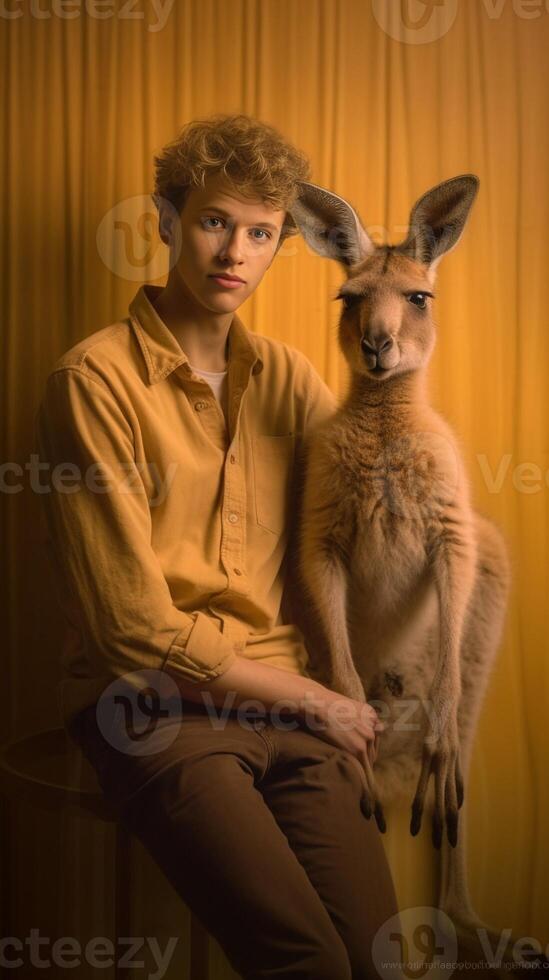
89, 100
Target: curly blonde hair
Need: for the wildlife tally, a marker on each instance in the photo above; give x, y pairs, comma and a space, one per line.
253, 155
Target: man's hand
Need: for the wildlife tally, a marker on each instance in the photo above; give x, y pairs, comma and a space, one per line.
351, 725
355, 727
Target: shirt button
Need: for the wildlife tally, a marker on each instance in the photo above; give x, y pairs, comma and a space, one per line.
232, 458
237, 571
200, 405
233, 517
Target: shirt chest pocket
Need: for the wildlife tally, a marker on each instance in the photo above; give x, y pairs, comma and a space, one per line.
273, 465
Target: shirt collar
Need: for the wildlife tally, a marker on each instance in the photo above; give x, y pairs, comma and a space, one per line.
159, 347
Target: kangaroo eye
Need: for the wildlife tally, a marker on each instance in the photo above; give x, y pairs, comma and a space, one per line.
350, 300
418, 299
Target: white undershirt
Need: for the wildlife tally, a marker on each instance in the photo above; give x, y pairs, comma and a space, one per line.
217, 381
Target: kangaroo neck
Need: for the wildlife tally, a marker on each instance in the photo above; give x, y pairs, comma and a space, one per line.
396, 401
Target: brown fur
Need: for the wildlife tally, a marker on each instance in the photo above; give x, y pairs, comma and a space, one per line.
408, 582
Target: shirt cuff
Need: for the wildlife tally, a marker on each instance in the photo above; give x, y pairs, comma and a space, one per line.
205, 654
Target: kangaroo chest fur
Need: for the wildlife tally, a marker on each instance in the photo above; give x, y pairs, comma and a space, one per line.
391, 490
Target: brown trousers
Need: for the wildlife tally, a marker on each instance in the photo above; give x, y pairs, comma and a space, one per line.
258, 827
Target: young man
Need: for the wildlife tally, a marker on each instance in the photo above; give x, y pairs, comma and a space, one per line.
172, 580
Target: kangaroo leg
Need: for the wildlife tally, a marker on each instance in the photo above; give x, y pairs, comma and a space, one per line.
481, 640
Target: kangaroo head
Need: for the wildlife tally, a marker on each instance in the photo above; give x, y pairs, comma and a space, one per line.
386, 326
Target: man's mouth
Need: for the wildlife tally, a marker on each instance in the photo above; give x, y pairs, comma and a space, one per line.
224, 275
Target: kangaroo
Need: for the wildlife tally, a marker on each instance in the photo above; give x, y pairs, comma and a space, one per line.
407, 583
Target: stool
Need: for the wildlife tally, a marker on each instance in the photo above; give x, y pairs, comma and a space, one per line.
38, 769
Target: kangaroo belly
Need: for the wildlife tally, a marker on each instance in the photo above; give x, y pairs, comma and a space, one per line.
395, 653
388, 559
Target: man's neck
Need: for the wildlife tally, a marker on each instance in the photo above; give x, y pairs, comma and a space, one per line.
201, 334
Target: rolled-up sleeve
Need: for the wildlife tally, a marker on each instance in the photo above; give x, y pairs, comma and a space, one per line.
98, 523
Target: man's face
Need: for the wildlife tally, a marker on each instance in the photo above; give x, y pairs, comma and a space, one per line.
222, 232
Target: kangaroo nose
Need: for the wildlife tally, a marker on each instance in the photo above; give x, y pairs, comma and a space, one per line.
376, 345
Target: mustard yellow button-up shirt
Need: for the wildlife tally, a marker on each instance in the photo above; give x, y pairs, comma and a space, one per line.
166, 524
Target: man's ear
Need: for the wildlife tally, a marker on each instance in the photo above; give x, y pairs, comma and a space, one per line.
168, 219
288, 229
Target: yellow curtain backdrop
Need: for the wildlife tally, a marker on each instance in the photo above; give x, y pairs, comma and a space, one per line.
383, 116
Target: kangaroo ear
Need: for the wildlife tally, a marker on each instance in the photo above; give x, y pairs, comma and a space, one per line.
330, 225
438, 218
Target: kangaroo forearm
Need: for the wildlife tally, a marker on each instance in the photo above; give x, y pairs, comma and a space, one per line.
455, 578
327, 586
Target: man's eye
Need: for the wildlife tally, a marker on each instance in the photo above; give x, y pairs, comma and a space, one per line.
418, 299
264, 234
350, 300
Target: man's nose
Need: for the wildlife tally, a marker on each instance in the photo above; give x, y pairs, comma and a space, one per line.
233, 245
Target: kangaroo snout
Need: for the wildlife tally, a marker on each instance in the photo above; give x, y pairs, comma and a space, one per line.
379, 351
